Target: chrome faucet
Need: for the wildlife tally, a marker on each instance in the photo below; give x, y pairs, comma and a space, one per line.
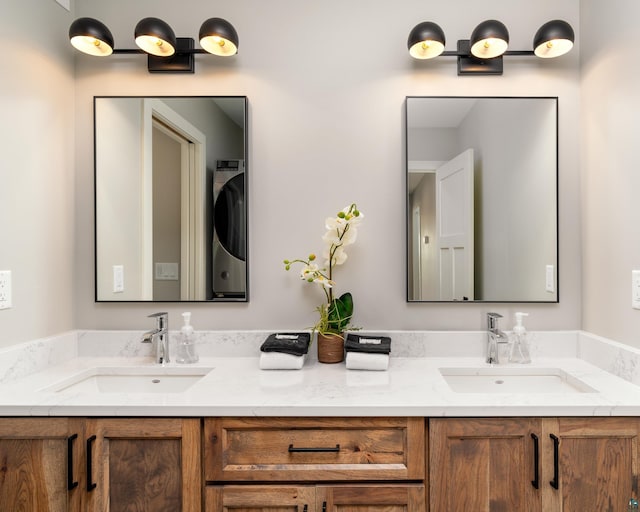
494, 337
159, 335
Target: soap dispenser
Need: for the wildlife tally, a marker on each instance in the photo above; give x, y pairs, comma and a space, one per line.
187, 344
520, 342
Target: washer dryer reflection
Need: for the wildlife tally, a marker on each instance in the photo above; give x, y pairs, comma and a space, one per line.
229, 231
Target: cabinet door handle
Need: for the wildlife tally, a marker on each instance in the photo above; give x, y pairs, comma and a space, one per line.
556, 468
71, 484
90, 484
324, 506
293, 449
536, 462
305, 508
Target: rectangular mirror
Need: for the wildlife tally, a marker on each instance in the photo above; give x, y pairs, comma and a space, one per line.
482, 199
170, 198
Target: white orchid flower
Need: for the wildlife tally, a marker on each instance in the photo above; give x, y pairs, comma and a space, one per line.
323, 281
339, 256
341, 232
308, 271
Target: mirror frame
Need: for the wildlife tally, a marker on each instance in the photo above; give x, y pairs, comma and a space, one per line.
408, 205
214, 300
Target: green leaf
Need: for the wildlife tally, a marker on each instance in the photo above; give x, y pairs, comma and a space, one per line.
340, 313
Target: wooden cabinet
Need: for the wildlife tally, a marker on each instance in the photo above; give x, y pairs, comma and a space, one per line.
321, 498
144, 464
260, 498
314, 449
597, 465
40, 464
316, 457
318, 464
75, 464
533, 464
371, 498
482, 465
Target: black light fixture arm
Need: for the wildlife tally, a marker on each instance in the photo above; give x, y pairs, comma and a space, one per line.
456, 53
188, 51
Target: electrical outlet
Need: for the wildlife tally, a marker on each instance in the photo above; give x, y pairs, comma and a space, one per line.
5, 289
635, 289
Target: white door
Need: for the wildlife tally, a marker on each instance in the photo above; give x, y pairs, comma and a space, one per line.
454, 217
416, 241
193, 189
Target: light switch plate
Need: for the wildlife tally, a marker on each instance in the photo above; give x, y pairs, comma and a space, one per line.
167, 272
550, 285
5, 289
118, 278
635, 289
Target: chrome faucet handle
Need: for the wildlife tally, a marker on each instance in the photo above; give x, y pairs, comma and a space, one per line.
161, 319
160, 335
492, 320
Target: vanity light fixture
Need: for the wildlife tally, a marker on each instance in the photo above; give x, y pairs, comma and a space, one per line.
155, 37
166, 52
482, 53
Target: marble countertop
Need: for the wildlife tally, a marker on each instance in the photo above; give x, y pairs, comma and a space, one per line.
412, 386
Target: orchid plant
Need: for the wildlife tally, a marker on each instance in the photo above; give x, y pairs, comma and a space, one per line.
336, 312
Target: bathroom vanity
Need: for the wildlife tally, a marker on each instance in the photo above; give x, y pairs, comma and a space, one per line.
233, 464
415, 438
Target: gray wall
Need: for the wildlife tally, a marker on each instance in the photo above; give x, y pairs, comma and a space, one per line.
326, 103
37, 194
610, 132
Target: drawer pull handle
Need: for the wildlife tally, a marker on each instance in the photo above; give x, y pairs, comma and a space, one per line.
71, 482
293, 449
556, 469
91, 485
536, 462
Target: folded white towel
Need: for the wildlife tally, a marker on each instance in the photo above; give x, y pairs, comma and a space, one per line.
280, 361
367, 361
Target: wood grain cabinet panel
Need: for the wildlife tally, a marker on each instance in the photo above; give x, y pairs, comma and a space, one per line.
484, 465
305, 498
314, 449
371, 498
39, 465
100, 465
489, 465
260, 498
597, 463
144, 464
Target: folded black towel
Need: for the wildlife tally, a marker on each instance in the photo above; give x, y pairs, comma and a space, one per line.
369, 344
296, 343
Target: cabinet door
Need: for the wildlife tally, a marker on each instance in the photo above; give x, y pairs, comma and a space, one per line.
258, 498
597, 463
484, 465
371, 498
144, 464
40, 462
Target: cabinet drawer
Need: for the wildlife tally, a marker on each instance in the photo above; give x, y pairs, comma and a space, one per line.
303, 449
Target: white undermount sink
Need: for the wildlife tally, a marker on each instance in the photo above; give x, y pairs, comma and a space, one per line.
513, 380
126, 379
